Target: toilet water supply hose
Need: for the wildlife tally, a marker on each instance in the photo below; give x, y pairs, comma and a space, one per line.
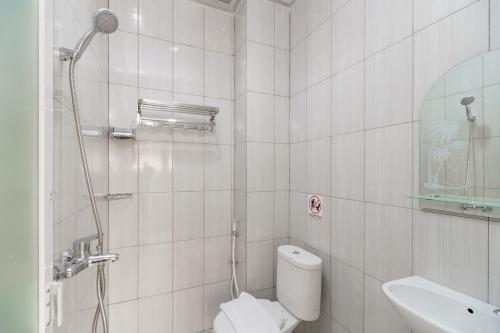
235, 290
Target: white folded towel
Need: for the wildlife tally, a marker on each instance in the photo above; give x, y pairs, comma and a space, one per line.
248, 316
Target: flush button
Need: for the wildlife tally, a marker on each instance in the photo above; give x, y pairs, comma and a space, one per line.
296, 252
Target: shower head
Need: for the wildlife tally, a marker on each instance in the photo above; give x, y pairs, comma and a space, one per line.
467, 101
105, 21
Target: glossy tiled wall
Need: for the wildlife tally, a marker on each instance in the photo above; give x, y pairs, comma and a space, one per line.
261, 140
359, 72
174, 234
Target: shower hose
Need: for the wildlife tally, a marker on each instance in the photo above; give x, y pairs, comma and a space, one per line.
100, 311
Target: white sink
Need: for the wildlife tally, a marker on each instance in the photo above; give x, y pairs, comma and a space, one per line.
428, 307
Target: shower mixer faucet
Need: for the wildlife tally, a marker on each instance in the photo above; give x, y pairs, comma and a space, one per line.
80, 257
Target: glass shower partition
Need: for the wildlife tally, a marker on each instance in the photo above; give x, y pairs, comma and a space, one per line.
18, 179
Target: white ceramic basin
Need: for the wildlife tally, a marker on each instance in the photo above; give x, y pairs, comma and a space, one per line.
428, 307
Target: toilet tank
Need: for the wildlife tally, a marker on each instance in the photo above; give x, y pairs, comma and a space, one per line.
299, 282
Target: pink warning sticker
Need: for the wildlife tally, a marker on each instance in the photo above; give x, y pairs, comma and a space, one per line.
315, 205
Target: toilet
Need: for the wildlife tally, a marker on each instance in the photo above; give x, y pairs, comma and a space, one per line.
298, 292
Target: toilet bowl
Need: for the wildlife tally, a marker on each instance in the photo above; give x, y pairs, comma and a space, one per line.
298, 292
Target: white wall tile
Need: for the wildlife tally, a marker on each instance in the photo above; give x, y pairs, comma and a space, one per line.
348, 96
188, 310
123, 58
380, 315
337, 4
155, 18
348, 159
388, 248
281, 119
122, 106
260, 62
282, 72
347, 296
281, 214
218, 167
319, 54
317, 13
155, 269
155, 314
123, 223
219, 77
260, 216
281, 27
319, 166
387, 22
319, 110
188, 264
388, 168
281, 167
188, 215
155, 218
494, 264
217, 213
298, 217
240, 26
123, 167
188, 22
298, 167
260, 172
188, 69
260, 20
127, 12
298, 118
494, 25
447, 43
240, 71
217, 255
348, 35
188, 166
123, 276
452, 251
155, 166
298, 22
389, 85
260, 265
123, 317
348, 232
155, 63
219, 31
298, 68
214, 295
260, 117
428, 11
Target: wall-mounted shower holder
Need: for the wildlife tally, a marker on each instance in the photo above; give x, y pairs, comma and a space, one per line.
65, 54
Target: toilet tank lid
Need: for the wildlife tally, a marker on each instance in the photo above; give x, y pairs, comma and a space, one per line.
300, 258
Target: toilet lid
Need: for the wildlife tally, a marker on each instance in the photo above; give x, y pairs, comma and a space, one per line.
223, 325
274, 311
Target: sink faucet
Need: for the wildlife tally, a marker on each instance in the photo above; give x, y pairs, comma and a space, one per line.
79, 258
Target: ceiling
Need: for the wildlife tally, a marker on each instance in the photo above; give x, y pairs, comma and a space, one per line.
232, 5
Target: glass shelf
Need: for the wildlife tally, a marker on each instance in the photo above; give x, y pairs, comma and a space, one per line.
467, 203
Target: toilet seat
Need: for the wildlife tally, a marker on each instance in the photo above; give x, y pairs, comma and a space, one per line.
285, 321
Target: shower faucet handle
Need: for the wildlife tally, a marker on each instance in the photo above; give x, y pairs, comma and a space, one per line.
81, 246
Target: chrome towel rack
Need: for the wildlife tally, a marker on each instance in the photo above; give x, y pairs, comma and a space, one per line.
154, 113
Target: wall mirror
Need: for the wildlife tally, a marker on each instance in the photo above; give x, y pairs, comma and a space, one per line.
460, 140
